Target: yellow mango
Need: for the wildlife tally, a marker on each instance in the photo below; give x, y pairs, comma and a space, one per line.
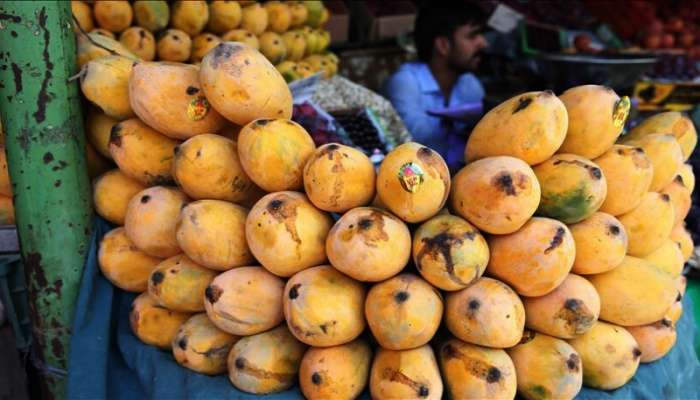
123, 264
224, 16
83, 15
665, 155
295, 44
153, 324
405, 374
254, 19
203, 44
680, 198
601, 244
140, 42
98, 128
668, 258
649, 224
673, 122
95, 45
178, 283
272, 47
200, 346
337, 372
279, 16
106, 84
628, 172
655, 340
190, 16
242, 36
112, 192
688, 176
175, 46
153, 15
115, 16
681, 236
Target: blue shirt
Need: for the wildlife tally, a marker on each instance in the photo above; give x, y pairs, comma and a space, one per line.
413, 90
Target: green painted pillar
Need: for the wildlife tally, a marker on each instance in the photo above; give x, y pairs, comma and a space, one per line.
43, 126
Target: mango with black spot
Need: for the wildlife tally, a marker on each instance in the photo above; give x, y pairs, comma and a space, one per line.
203, 44
324, 307
673, 122
474, 372
688, 177
98, 128
95, 45
189, 16
202, 347
573, 188
569, 311
338, 178
123, 264
680, 196
103, 32
665, 154
286, 233
544, 242
105, 83
487, 313
497, 194
167, 96
174, 45
680, 235
637, 292
405, 374
178, 283
369, 244
295, 44
153, 15
207, 167
403, 312
140, 42
242, 36
628, 173
265, 363
674, 313
154, 324
655, 340
530, 126
413, 182
546, 367
151, 220
112, 192
273, 47
610, 356
649, 224
601, 244
337, 372
141, 152
245, 301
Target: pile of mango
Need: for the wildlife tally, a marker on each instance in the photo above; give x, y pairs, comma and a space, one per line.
289, 33
551, 260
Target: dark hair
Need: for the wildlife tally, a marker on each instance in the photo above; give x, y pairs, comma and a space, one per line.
443, 19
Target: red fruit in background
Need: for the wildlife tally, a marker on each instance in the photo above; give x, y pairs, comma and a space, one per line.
674, 24
686, 39
694, 53
652, 41
668, 41
655, 26
582, 42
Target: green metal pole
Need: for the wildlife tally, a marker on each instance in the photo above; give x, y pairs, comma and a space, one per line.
45, 149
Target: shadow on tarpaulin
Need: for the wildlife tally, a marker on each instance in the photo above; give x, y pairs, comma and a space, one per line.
108, 361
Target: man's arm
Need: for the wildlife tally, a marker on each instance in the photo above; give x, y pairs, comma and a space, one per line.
404, 94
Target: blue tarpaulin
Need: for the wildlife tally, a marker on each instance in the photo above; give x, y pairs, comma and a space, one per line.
107, 361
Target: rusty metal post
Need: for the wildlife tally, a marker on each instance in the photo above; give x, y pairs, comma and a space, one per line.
43, 126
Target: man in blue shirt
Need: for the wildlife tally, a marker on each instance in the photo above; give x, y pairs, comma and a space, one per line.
448, 38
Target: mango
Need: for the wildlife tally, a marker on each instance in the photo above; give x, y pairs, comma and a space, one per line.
403, 312
200, 346
83, 15
668, 258
175, 46
324, 307
474, 372
673, 122
95, 45
487, 313
141, 152
675, 312
628, 172
688, 176
573, 188
681, 236
273, 153
167, 97
245, 301
497, 194
449, 252
315, 12
254, 19
106, 84
98, 128
648, 224
5, 184
224, 16
596, 118
681, 283
295, 44
338, 372
154, 324
112, 192
115, 16
7, 211
680, 198
665, 155
243, 86
190, 16
509, 129
543, 242
265, 363
312, 40
151, 219
212, 234
178, 283
338, 178
405, 374
635, 293
414, 182
286, 233
272, 47
369, 244
207, 167
203, 44
140, 42
569, 311
123, 264
96, 164
242, 36
319, 64
153, 15
103, 32
279, 16
299, 13
609, 354
601, 244
655, 340
304, 69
